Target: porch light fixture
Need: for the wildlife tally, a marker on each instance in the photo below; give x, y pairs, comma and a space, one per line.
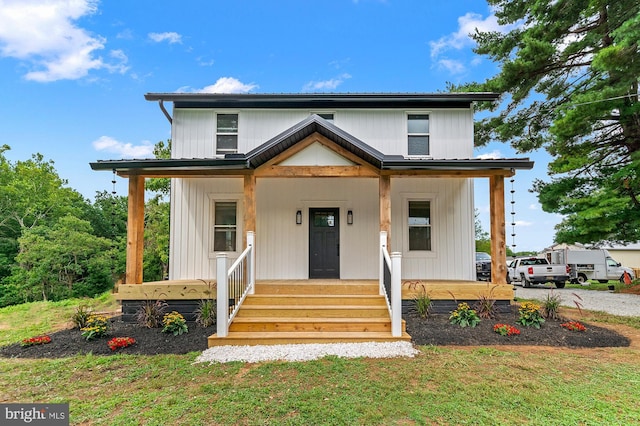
299, 217
350, 217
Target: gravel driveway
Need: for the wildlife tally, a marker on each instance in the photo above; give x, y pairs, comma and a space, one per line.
627, 305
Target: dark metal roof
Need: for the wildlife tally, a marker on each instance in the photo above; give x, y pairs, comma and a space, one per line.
141, 165
323, 100
285, 140
306, 127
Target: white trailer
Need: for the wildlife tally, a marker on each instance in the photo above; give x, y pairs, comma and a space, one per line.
595, 264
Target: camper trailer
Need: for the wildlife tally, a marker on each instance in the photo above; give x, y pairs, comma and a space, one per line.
594, 264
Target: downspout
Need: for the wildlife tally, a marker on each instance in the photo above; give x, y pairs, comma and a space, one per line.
165, 112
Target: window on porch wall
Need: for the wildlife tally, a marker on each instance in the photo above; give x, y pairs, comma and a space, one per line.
419, 225
225, 226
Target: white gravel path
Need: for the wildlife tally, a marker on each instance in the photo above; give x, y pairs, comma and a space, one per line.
307, 352
627, 305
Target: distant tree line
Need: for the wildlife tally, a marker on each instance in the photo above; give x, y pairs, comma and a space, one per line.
55, 244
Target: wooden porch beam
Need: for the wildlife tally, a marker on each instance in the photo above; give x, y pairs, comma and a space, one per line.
498, 236
249, 205
135, 230
385, 207
315, 171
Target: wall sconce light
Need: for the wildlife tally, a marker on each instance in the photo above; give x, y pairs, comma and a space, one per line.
299, 217
350, 217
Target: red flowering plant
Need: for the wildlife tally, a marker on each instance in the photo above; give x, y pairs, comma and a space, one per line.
120, 342
506, 330
573, 326
38, 340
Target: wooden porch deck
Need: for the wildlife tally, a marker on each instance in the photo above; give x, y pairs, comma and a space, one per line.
308, 311
205, 289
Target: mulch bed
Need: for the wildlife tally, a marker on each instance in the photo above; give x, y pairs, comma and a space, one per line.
434, 330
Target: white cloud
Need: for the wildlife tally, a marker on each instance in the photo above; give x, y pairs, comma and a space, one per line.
45, 36
452, 66
493, 155
171, 37
523, 223
331, 84
467, 25
125, 150
534, 206
223, 85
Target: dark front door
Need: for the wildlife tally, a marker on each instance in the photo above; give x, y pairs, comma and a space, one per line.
324, 243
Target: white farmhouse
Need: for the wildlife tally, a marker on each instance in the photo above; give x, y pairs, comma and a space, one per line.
321, 188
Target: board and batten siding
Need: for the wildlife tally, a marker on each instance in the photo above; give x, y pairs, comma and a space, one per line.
282, 247
189, 256
451, 130
452, 254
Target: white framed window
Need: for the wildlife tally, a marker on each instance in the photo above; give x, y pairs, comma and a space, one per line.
226, 134
418, 134
224, 233
419, 225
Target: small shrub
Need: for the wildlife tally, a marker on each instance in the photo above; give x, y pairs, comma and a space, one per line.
150, 313
97, 326
80, 316
206, 312
486, 305
120, 342
174, 323
573, 326
506, 330
551, 305
38, 340
530, 315
422, 300
464, 316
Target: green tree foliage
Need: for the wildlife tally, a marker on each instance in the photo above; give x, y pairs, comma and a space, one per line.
60, 261
31, 194
161, 186
156, 240
569, 84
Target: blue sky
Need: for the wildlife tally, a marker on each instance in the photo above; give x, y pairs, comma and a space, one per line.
73, 72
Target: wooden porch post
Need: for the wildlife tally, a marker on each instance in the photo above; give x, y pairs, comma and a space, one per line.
498, 236
249, 204
135, 230
385, 207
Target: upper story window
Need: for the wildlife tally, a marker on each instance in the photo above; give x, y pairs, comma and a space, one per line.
418, 134
226, 134
420, 225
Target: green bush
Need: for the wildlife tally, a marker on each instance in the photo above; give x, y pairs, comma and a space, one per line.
206, 312
464, 316
174, 323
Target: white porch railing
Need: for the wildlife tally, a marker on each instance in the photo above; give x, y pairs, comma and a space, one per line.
391, 284
234, 284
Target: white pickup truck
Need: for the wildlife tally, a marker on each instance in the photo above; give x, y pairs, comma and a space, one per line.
536, 270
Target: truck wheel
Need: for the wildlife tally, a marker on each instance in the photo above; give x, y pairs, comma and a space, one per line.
582, 279
525, 282
560, 284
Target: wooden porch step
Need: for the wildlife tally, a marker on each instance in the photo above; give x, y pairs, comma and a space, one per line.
314, 299
314, 311
363, 325
311, 311
355, 287
280, 338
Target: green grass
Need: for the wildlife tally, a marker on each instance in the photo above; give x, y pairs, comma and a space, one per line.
31, 319
443, 385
